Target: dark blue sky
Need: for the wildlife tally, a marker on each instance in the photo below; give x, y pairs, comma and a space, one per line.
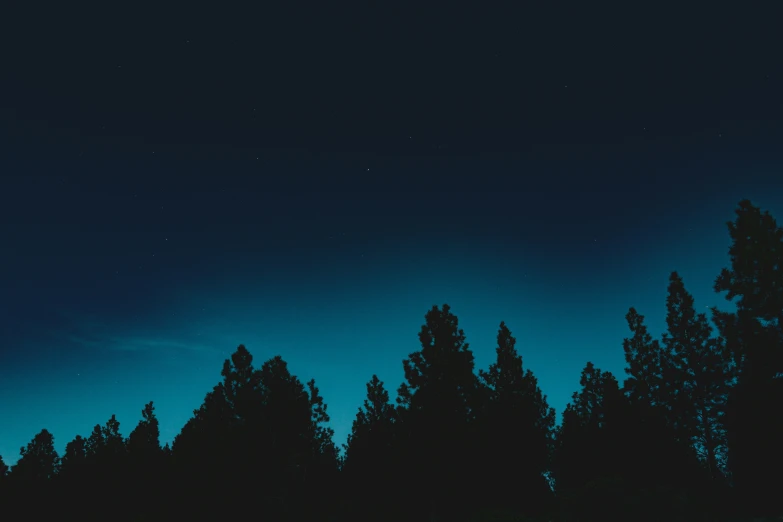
162, 201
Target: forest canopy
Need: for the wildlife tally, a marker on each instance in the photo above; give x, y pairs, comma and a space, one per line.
691, 432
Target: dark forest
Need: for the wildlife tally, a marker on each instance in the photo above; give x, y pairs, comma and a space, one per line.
692, 432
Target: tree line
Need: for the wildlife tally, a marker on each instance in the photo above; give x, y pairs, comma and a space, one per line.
694, 432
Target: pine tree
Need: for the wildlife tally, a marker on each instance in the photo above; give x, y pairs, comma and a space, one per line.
215, 455
435, 410
95, 443
519, 424
370, 456
38, 460
699, 380
145, 459
114, 443
668, 467
259, 430
754, 336
144, 441
646, 364
588, 464
74, 459
105, 461
202, 453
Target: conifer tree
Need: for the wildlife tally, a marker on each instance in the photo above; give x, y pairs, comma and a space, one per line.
38, 460
370, 464
754, 336
646, 364
700, 377
74, 459
436, 408
519, 425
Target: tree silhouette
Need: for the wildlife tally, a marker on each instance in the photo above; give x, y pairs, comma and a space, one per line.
591, 449
144, 441
32, 478
74, 459
146, 469
38, 460
259, 432
646, 362
106, 463
436, 409
754, 336
666, 393
371, 456
693, 431
201, 453
74, 475
699, 378
581, 445
95, 443
518, 426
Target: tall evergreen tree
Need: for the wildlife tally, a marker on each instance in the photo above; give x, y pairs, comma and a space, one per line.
95, 443
32, 479
214, 455
3, 468
74, 474
646, 364
114, 445
106, 461
202, 453
699, 379
754, 334
590, 448
74, 459
581, 438
145, 461
436, 410
370, 464
668, 467
144, 441
322, 465
38, 460
519, 424
259, 432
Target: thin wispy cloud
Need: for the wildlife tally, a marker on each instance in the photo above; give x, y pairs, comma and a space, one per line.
136, 344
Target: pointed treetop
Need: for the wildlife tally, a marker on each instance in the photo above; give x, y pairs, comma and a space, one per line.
756, 263
643, 356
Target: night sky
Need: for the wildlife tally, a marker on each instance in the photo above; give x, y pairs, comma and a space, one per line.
310, 182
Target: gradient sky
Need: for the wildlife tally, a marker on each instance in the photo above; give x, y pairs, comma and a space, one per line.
163, 201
